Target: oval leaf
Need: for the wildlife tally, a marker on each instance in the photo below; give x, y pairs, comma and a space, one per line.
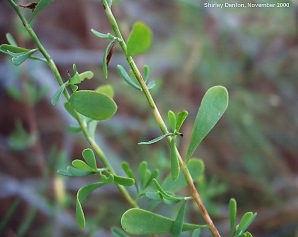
172, 119
79, 164
213, 105
139, 39
89, 158
180, 119
93, 105
106, 89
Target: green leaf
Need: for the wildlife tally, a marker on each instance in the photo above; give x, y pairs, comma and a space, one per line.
139, 39
172, 119
146, 73
156, 139
245, 221
175, 167
233, 214
144, 174
99, 35
58, 94
70, 109
78, 172
196, 233
41, 5
180, 119
129, 172
107, 57
79, 164
86, 75
93, 105
179, 221
11, 40
19, 58
81, 196
89, 157
213, 105
106, 176
127, 78
150, 85
117, 232
106, 89
124, 181
142, 222
5, 48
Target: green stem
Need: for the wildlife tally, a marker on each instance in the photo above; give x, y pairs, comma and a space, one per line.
58, 77
159, 120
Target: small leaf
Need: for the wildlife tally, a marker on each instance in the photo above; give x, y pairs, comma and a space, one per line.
179, 221
172, 119
150, 85
128, 171
233, 213
106, 176
106, 89
89, 157
196, 233
79, 164
64, 173
99, 35
139, 39
142, 222
146, 73
144, 174
41, 5
11, 40
86, 75
77, 172
93, 105
213, 105
19, 58
81, 196
175, 167
180, 119
107, 57
124, 181
127, 78
57, 96
245, 221
156, 139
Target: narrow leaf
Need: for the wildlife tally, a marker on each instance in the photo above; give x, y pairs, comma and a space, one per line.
107, 57
11, 40
64, 173
175, 167
150, 85
19, 58
81, 196
93, 105
89, 157
127, 78
179, 221
146, 73
124, 181
180, 119
99, 35
79, 164
156, 139
213, 105
57, 96
172, 119
78, 172
233, 214
139, 39
41, 5
127, 170
144, 174
245, 221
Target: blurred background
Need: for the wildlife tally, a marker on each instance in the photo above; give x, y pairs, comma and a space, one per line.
251, 155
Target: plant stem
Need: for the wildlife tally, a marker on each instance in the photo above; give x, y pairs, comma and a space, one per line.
58, 77
159, 120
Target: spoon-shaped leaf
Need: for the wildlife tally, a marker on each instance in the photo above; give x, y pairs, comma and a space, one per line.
213, 105
93, 105
89, 157
139, 39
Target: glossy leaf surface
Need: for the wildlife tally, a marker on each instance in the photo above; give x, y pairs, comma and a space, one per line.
213, 105
93, 105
